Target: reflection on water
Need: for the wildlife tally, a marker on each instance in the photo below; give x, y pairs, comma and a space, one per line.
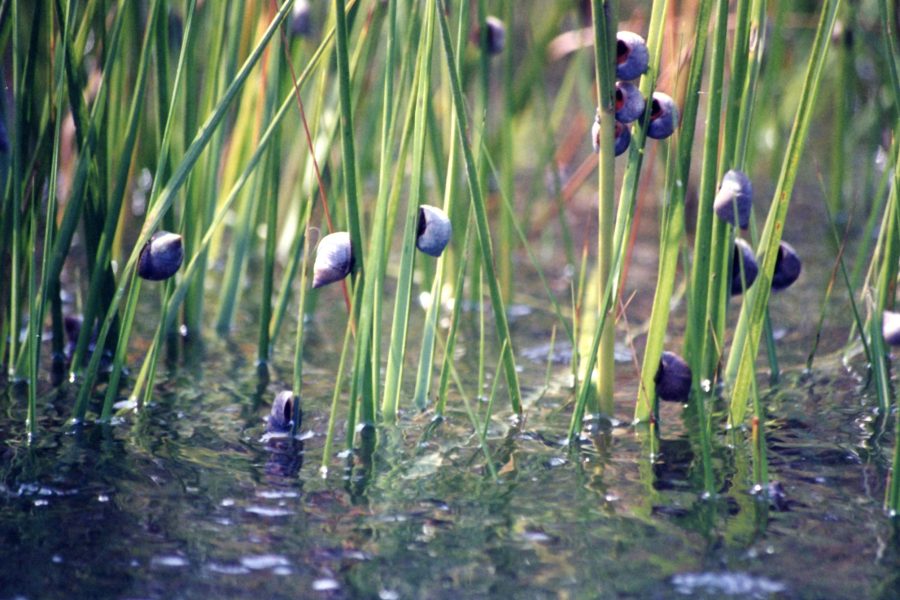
191, 498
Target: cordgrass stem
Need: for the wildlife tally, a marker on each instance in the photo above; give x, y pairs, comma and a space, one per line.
481, 222
741, 362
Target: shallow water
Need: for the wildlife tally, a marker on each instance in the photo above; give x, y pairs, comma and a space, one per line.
189, 499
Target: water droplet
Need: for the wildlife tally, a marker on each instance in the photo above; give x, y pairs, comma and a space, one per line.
170, 560
227, 569
326, 584
264, 561
266, 511
276, 494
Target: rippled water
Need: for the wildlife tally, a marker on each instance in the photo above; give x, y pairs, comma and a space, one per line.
188, 499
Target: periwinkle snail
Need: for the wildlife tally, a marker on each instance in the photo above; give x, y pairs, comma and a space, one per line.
623, 137
632, 57
787, 267
734, 195
161, 256
744, 268
629, 102
301, 18
433, 231
496, 34
281, 416
673, 378
334, 259
663, 116
890, 327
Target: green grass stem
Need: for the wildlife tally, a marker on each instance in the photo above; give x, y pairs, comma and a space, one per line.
672, 229
742, 360
397, 348
484, 236
167, 197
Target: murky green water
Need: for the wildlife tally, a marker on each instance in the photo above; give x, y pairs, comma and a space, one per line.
187, 499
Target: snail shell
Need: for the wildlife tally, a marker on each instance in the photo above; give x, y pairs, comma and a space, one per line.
663, 116
281, 416
742, 253
787, 267
630, 103
496, 35
673, 378
623, 137
434, 230
632, 56
736, 192
161, 256
890, 327
334, 259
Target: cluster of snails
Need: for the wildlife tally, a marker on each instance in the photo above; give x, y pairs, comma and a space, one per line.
632, 61
732, 204
334, 255
334, 261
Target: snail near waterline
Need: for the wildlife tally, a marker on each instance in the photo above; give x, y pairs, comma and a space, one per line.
281, 417
673, 378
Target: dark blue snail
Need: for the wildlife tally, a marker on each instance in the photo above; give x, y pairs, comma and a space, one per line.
161, 256
744, 268
632, 56
281, 417
735, 196
623, 137
787, 267
629, 102
673, 378
663, 116
433, 231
